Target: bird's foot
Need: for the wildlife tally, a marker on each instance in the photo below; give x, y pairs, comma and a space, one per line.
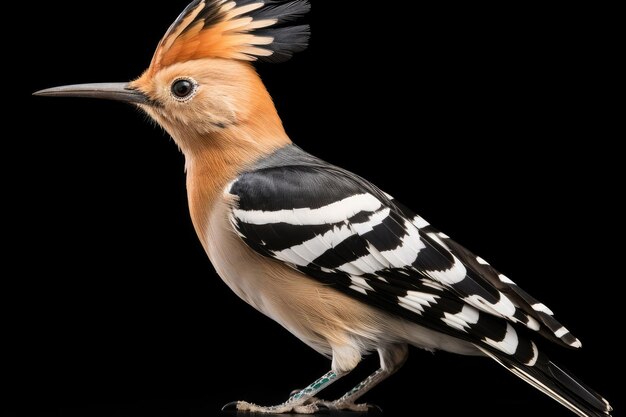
243, 406
311, 406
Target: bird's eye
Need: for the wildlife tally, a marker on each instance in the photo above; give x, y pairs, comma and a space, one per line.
183, 89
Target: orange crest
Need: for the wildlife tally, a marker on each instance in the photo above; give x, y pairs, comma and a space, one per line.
234, 29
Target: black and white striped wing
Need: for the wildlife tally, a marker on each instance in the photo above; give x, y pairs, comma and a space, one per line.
341, 230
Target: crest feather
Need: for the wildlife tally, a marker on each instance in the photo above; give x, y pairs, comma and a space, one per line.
234, 29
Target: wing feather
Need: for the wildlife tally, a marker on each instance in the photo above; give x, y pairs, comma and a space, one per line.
341, 230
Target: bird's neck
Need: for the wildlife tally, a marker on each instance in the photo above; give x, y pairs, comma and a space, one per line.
224, 155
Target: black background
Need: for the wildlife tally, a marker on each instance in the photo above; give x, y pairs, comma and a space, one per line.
497, 125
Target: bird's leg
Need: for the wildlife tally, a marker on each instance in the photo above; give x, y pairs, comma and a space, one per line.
297, 402
391, 359
345, 358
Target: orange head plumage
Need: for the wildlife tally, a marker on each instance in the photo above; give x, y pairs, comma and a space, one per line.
201, 86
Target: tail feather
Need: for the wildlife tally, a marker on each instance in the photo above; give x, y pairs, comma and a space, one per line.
556, 383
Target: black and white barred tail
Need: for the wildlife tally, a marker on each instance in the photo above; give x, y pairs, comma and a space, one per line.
556, 383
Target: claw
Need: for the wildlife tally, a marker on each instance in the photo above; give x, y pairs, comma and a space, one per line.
231, 406
323, 407
373, 409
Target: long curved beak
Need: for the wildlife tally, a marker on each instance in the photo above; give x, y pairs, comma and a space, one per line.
107, 91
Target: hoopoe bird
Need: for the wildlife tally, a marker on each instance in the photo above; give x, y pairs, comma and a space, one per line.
336, 261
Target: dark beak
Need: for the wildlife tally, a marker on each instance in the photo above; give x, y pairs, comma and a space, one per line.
107, 91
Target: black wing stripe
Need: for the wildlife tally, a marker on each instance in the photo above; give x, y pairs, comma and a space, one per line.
280, 236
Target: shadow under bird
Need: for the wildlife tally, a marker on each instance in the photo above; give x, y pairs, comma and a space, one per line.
336, 261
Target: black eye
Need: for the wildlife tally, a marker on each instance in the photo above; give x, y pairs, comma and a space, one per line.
183, 88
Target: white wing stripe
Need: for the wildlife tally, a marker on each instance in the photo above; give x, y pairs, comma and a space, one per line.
422, 298
561, 332
506, 279
450, 276
317, 245
419, 222
403, 255
359, 289
360, 282
533, 360
410, 305
416, 300
374, 220
507, 345
407, 252
542, 308
363, 265
504, 307
332, 213
461, 320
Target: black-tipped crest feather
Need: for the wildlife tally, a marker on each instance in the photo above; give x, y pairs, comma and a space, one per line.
231, 22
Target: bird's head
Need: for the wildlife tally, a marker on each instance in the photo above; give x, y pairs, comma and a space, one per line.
200, 85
